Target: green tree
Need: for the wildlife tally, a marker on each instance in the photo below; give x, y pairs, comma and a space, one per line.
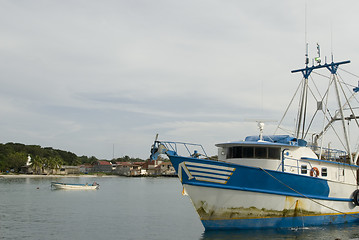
54, 163
93, 160
17, 160
37, 164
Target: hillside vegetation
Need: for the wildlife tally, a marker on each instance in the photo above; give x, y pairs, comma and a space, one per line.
14, 155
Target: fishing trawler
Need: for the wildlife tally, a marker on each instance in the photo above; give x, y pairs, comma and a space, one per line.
280, 180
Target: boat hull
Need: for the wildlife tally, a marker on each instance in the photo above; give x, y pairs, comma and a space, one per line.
66, 186
231, 196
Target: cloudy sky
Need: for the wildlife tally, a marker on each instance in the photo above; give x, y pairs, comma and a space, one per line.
86, 75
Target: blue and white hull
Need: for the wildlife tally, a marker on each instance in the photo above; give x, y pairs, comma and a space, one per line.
232, 196
279, 181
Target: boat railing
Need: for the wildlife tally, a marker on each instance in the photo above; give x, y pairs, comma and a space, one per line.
298, 164
329, 154
183, 149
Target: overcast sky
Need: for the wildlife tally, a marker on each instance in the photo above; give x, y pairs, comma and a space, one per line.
84, 76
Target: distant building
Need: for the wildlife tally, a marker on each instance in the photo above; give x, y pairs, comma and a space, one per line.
102, 166
123, 168
153, 167
129, 168
137, 169
27, 168
86, 168
64, 170
167, 169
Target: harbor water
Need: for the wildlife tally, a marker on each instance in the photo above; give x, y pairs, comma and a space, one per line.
123, 208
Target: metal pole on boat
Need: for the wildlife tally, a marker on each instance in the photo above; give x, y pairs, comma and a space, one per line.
302, 107
343, 119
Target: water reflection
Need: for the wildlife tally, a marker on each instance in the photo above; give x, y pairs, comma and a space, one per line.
337, 232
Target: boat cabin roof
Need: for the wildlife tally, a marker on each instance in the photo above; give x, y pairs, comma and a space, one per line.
271, 140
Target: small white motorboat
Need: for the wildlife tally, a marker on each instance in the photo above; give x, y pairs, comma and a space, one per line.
73, 186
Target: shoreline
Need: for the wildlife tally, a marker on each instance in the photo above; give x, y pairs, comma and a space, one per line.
76, 176
54, 176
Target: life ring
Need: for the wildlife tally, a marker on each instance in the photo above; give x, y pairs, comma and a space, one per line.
314, 172
356, 197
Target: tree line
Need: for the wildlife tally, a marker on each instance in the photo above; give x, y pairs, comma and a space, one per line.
13, 156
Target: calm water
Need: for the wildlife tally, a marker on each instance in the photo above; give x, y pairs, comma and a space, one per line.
123, 208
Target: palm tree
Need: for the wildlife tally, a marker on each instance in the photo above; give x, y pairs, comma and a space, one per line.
54, 163
37, 164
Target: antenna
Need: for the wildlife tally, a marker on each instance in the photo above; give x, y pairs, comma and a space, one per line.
331, 40
317, 59
306, 56
305, 35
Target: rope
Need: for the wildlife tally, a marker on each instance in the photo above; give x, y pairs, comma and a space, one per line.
349, 72
335, 210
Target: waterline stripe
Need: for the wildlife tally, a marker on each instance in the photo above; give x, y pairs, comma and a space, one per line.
350, 214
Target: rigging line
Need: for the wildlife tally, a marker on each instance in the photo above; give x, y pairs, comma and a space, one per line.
356, 121
322, 75
352, 108
313, 95
286, 111
314, 115
342, 80
350, 90
315, 85
330, 121
348, 103
311, 199
345, 131
349, 86
326, 92
287, 131
310, 124
330, 125
349, 72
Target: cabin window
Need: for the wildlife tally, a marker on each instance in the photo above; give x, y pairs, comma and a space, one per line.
324, 172
260, 152
253, 152
248, 152
234, 152
274, 153
303, 169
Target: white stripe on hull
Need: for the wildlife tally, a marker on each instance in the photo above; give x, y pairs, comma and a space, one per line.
210, 166
208, 170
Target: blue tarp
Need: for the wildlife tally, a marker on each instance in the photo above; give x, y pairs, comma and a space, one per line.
284, 139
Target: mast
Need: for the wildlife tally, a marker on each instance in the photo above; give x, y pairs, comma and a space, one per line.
303, 98
332, 67
342, 117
